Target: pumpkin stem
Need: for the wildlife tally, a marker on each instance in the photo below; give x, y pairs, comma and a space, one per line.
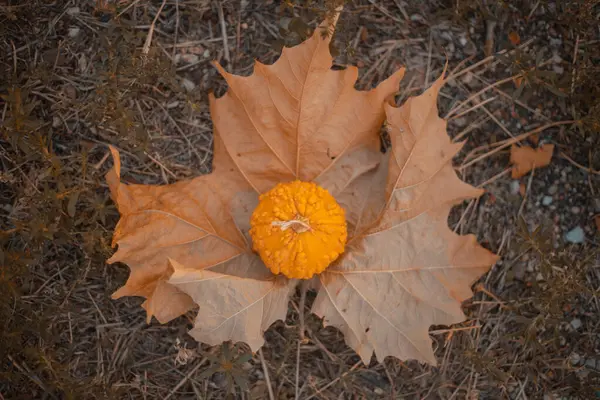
297, 225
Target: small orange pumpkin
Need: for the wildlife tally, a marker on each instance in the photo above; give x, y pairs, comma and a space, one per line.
298, 229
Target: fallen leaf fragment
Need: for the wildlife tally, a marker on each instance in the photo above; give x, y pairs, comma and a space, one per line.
514, 38
518, 81
597, 220
525, 158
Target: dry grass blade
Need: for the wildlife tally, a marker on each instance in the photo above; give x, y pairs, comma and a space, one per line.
509, 142
148, 41
267, 376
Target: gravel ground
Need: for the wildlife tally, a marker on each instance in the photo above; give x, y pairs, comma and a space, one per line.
76, 77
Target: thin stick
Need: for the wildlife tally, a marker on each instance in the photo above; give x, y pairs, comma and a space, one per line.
301, 329
462, 217
460, 65
127, 8
526, 192
575, 163
303, 290
266, 372
297, 383
486, 60
509, 142
471, 127
224, 33
475, 107
494, 178
14, 57
485, 89
146, 47
489, 37
25, 371
428, 60
185, 378
464, 328
384, 11
500, 124
176, 32
333, 382
537, 113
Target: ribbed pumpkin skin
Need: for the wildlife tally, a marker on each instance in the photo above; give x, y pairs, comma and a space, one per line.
298, 229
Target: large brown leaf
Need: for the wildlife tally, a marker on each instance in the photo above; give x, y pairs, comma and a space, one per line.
193, 222
299, 119
407, 270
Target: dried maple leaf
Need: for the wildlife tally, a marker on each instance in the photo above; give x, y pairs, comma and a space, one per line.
525, 158
292, 141
407, 270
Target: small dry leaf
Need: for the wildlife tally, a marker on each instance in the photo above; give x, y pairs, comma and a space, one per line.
525, 158
514, 38
597, 220
518, 81
403, 269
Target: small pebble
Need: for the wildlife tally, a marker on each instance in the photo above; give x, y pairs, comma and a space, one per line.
460, 122
467, 78
186, 58
591, 363
575, 358
576, 323
530, 267
575, 210
73, 32
379, 391
552, 190
417, 18
547, 200
514, 187
188, 85
575, 235
539, 277
446, 36
462, 40
73, 11
559, 69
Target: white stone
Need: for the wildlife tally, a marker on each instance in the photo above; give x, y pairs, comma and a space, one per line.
576, 235
74, 32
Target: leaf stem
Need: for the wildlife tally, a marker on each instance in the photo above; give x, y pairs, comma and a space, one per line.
303, 290
301, 329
